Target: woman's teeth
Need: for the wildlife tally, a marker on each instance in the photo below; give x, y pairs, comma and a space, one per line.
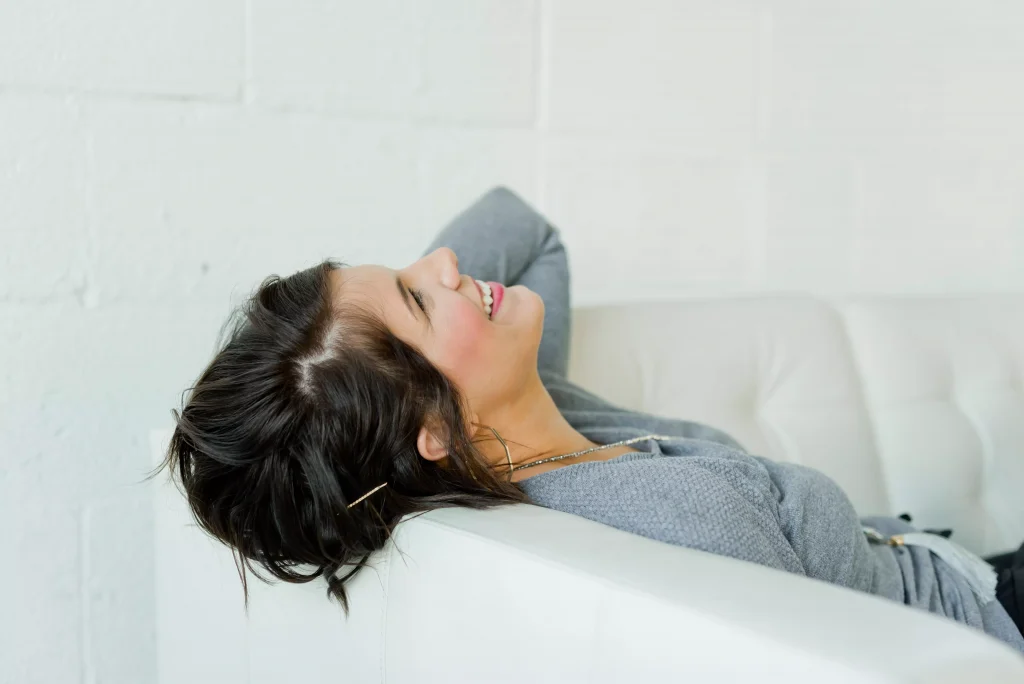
488, 296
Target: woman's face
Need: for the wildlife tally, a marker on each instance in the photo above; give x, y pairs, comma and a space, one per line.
488, 360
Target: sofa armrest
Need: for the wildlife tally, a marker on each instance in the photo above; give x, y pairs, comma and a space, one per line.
525, 593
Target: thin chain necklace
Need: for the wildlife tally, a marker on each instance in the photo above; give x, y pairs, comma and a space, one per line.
624, 442
512, 468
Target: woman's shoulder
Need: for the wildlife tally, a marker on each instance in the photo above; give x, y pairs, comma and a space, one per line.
680, 468
713, 500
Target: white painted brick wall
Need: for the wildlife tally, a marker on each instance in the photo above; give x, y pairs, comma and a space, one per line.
158, 159
185, 48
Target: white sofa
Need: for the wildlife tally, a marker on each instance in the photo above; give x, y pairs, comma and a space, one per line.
913, 405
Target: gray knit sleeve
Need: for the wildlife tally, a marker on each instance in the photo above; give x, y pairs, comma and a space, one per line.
502, 238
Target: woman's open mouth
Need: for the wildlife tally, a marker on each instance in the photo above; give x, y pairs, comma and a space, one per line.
491, 293
498, 293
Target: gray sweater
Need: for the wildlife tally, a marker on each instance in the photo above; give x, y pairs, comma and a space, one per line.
702, 492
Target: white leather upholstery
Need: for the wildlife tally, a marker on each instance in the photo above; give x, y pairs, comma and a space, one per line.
944, 386
911, 405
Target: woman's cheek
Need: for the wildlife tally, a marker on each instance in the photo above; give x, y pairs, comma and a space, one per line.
466, 350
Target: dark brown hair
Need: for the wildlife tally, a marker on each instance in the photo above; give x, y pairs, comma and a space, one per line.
307, 406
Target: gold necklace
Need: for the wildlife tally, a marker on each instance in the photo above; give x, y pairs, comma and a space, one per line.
624, 442
513, 468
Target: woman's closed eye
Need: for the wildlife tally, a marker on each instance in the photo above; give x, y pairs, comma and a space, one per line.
420, 299
417, 296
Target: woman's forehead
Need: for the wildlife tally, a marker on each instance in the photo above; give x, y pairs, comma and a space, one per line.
364, 279
371, 284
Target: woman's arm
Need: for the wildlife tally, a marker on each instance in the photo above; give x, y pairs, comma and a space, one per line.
502, 238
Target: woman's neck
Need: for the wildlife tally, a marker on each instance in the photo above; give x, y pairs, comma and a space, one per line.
534, 429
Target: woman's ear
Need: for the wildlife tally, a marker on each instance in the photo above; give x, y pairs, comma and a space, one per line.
429, 442
429, 445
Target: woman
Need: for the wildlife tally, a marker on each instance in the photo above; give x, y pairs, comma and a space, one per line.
351, 396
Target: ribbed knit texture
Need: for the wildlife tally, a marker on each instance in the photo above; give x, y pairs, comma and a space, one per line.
704, 492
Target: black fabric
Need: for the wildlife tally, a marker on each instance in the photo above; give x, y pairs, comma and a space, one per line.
941, 533
1010, 586
1010, 571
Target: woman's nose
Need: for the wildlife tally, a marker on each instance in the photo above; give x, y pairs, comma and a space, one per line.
449, 255
449, 267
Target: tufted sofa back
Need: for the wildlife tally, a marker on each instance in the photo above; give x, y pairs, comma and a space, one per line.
912, 405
